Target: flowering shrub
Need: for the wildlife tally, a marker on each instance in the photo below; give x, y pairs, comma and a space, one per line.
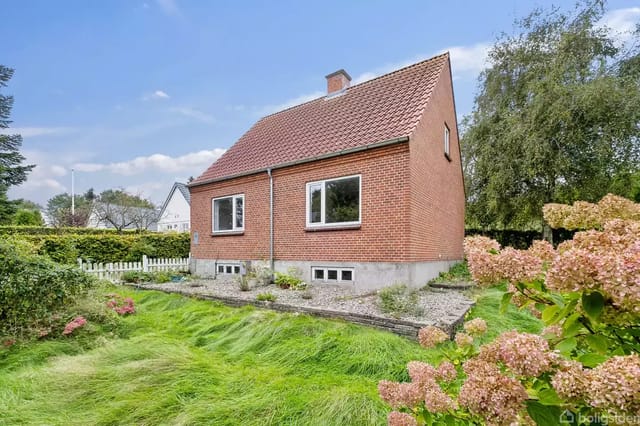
587, 292
583, 215
76, 323
121, 305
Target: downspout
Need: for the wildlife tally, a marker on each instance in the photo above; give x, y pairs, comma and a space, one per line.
271, 262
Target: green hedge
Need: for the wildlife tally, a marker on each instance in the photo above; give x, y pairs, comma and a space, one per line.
42, 230
113, 247
32, 287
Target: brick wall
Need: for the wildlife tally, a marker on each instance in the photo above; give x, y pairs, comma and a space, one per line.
437, 189
254, 243
383, 234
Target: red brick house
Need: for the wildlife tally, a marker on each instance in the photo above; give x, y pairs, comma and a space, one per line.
362, 186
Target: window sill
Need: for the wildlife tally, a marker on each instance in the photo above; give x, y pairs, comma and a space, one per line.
226, 233
332, 228
447, 157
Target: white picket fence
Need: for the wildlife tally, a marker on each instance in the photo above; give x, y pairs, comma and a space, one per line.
113, 271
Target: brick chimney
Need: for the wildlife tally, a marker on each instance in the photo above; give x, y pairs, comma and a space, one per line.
337, 81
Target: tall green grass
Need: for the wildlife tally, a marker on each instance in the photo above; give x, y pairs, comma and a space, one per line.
179, 361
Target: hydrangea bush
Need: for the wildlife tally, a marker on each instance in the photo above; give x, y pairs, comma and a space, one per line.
585, 363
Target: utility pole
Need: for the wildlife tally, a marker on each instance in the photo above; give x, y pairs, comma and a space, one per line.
73, 197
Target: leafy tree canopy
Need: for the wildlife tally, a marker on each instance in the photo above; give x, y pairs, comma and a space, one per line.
556, 119
12, 169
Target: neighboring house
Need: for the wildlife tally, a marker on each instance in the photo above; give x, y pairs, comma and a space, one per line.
176, 210
361, 187
126, 217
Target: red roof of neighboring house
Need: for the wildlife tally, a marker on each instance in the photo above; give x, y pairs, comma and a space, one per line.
377, 110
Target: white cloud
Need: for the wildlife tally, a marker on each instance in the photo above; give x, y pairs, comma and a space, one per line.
193, 113
188, 163
621, 22
270, 109
28, 132
156, 95
466, 61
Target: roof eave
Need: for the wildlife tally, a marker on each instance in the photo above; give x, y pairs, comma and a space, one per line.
381, 144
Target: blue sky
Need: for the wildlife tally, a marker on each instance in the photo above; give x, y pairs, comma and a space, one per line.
139, 94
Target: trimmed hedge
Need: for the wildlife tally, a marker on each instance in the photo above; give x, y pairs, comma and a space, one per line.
32, 287
519, 239
43, 230
109, 247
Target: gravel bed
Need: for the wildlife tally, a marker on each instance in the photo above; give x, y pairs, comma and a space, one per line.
440, 306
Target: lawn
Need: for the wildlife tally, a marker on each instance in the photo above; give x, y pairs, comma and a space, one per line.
184, 361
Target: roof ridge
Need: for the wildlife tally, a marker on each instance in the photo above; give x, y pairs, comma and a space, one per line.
446, 53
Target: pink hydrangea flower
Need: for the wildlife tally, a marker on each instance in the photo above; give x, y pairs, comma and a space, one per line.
400, 394
76, 323
431, 336
476, 326
396, 418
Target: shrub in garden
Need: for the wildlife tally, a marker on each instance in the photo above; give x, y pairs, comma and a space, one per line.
398, 299
33, 288
266, 297
291, 280
586, 361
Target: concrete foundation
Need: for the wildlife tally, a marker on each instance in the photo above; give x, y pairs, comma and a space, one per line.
367, 276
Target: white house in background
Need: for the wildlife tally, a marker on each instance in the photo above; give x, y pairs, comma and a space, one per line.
175, 214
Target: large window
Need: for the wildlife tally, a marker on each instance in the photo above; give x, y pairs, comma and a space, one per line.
333, 202
228, 214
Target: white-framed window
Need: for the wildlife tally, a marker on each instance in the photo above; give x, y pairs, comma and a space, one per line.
228, 213
334, 201
331, 274
447, 145
227, 269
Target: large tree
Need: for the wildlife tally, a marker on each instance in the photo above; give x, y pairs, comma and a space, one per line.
12, 169
556, 119
59, 209
122, 210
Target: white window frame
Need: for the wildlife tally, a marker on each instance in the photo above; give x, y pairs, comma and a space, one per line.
233, 214
447, 141
325, 273
322, 223
226, 267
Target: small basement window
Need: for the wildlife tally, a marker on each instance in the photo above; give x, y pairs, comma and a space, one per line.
228, 214
330, 274
227, 269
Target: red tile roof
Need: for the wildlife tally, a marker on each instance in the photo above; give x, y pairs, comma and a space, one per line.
377, 110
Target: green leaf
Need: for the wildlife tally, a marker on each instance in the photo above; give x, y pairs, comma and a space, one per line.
567, 345
598, 343
572, 326
549, 313
544, 415
504, 302
592, 360
593, 304
557, 299
549, 397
